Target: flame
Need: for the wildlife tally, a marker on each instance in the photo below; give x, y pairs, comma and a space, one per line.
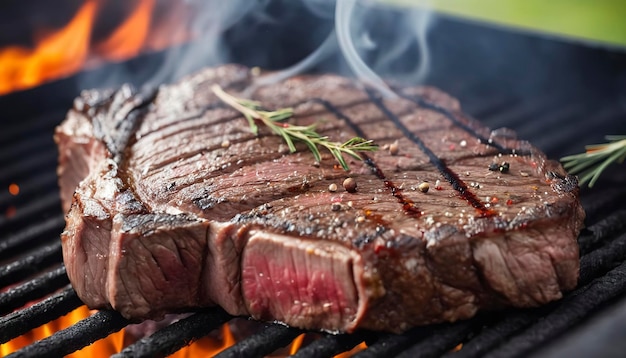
102, 348
361, 346
114, 343
14, 189
205, 347
62, 52
296, 344
128, 39
55, 55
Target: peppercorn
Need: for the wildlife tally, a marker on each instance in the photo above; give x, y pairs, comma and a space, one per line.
350, 185
394, 148
504, 167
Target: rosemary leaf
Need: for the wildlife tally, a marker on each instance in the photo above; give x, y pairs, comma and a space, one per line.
275, 121
596, 159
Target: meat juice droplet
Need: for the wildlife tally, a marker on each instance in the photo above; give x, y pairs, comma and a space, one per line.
407, 204
471, 198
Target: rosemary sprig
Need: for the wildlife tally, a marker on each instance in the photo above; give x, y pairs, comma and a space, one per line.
275, 121
596, 158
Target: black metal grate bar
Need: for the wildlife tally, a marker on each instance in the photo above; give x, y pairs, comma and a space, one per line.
331, 345
601, 336
35, 262
526, 111
13, 131
390, 345
34, 184
20, 322
573, 308
602, 203
600, 121
593, 265
33, 289
38, 208
37, 145
177, 335
28, 163
602, 259
268, 340
441, 340
497, 333
48, 229
489, 108
75, 337
550, 121
604, 229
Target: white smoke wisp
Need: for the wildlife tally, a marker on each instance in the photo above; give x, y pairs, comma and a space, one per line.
422, 23
343, 20
377, 41
327, 48
211, 19
204, 21
411, 31
404, 31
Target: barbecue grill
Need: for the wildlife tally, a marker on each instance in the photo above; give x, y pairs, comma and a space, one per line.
558, 95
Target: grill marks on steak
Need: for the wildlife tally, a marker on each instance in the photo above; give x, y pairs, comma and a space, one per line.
445, 171
181, 220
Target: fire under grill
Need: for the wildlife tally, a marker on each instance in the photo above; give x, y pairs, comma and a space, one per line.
35, 289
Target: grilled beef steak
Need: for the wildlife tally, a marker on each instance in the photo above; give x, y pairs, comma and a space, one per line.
174, 204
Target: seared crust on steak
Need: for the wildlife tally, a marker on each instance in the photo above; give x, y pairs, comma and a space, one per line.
178, 205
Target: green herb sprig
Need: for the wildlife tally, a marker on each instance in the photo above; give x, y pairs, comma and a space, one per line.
596, 158
275, 121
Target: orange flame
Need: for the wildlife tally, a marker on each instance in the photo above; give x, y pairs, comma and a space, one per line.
55, 55
102, 348
114, 343
65, 51
14, 189
296, 344
128, 39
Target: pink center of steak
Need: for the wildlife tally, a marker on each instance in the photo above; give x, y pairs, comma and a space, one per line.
299, 280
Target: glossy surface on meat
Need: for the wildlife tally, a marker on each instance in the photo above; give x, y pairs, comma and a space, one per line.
177, 192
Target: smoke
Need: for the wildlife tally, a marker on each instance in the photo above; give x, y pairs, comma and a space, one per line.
389, 37
211, 20
365, 39
328, 47
344, 13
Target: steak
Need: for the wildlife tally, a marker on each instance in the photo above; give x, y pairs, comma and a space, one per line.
173, 204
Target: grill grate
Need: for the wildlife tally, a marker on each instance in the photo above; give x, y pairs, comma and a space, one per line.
268, 340
38, 272
81, 334
22, 321
31, 265
603, 278
177, 335
35, 288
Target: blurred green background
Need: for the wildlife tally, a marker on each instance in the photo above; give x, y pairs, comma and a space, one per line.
601, 21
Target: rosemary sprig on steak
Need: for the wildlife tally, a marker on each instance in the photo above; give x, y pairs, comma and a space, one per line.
275, 121
596, 158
